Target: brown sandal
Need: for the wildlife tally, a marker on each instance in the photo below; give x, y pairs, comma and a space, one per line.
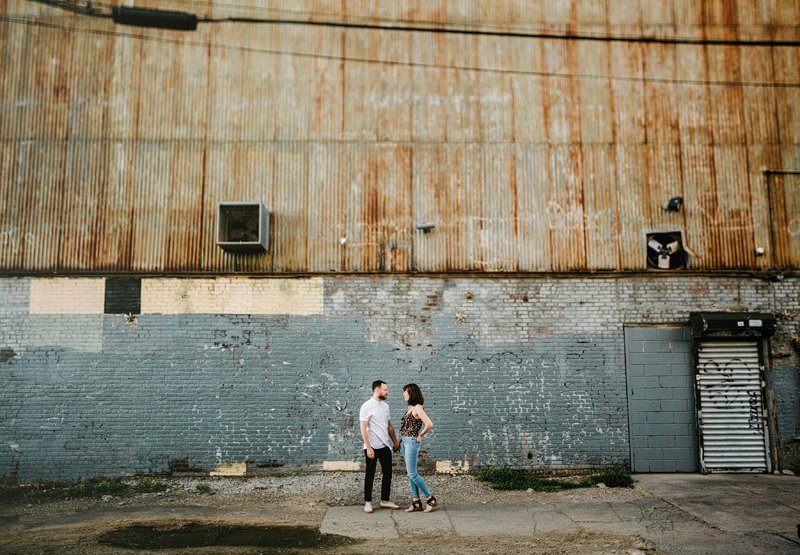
416, 505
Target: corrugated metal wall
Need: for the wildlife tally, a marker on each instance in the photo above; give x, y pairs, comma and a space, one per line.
528, 154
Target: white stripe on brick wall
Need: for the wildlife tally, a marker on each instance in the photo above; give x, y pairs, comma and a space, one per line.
297, 297
67, 296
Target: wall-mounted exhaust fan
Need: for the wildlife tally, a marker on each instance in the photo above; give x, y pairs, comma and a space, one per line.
665, 251
242, 227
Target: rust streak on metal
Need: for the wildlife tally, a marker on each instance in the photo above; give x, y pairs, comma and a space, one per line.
115, 151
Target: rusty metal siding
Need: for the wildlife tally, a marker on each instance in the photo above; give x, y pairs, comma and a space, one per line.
787, 69
784, 190
114, 151
533, 181
600, 203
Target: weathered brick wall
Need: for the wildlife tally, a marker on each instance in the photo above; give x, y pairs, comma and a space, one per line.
525, 371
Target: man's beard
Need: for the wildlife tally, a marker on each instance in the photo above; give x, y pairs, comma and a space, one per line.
383, 396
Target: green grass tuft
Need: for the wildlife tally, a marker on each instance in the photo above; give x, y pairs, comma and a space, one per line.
148, 485
205, 489
83, 489
97, 487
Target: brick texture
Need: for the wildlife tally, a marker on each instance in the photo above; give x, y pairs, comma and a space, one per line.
661, 396
528, 372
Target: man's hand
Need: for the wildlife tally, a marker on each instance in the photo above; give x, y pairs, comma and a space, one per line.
370, 453
396, 445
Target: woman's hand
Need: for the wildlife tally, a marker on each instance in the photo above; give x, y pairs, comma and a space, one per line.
419, 439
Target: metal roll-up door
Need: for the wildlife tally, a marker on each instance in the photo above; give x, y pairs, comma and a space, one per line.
733, 435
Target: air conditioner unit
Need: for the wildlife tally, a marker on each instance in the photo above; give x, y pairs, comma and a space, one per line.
242, 227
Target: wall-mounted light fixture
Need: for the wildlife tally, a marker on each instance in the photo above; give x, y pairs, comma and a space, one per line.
426, 227
673, 205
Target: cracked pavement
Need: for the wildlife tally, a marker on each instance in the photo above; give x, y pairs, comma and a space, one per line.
680, 514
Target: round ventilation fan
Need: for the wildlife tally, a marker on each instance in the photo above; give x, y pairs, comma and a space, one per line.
665, 251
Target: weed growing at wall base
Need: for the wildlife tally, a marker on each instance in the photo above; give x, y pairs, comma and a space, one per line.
512, 479
95, 488
205, 489
148, 485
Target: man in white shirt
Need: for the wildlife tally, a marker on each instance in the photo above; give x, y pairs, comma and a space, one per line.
379, 441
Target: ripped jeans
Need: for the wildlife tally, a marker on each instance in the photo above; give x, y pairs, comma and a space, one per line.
410, 454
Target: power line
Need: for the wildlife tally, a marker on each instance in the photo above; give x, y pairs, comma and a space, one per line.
377, 61
415, 27
508, 30
509, 34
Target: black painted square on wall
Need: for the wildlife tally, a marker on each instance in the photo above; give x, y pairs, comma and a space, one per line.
123, 296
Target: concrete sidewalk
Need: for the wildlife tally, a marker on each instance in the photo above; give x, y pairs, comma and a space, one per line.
679, 513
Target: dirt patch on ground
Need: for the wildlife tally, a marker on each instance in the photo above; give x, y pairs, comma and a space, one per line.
189, 534
274, 515
223, 538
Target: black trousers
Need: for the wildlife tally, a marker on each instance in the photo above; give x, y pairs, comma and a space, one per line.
384, 455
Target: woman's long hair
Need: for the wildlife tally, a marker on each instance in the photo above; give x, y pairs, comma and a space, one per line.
414, 394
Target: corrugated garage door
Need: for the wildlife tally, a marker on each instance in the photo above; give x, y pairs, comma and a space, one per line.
731, 416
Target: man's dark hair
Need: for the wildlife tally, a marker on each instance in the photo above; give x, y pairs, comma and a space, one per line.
414, 394
377, 383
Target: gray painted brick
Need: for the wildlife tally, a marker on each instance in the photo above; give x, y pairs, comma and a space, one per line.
650, 453
636, 370
659, 346
685, 381
657, 393
687, 466
637, 417
675, 405
679, 453
660, 441
658, 369
663, 466
658, 417
686, 441
648, 382
687, 417
642, 440
503, 377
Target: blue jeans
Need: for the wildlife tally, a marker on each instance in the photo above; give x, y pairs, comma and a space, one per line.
410, 453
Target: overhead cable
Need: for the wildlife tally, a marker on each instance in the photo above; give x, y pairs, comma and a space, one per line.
481, 28
437, 28
378, 61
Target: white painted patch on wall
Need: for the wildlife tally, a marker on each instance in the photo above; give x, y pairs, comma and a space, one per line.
229, 469
341, 466
67, 296
450, 467
294, 297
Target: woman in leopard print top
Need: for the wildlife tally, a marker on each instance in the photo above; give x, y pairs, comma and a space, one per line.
413, 427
